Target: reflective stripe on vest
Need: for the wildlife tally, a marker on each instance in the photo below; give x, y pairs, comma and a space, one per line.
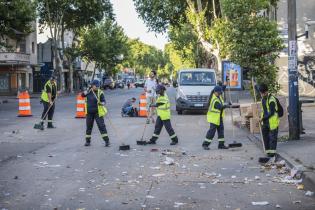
213, 115
164, 111
274, 119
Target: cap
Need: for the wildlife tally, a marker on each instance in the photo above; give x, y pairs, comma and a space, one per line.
217, 89
96, 83
263, 88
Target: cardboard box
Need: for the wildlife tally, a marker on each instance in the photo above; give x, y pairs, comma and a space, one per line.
256, 109
254, 125
246, 110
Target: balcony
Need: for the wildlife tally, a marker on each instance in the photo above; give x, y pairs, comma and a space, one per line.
14, 58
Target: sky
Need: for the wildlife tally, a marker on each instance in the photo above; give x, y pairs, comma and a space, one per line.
134, 27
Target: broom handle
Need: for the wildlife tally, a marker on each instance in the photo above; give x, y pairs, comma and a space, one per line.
45, 115
261, 136
230, 98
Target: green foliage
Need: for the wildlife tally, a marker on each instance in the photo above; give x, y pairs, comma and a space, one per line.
144, 58
249, 40
16, 17
103, 44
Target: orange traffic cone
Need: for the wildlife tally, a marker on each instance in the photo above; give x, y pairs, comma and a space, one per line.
143, 106
80, 107
24, 105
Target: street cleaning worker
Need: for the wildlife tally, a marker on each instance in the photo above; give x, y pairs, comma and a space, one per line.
163, 116
269, 119
129, 109
48, 97
95, 110
215, 117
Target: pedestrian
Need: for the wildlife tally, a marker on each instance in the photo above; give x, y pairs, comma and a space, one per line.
129, 108
215, 117
48, 98
95, 110
128, 84
269, 119
163, 117
150, 90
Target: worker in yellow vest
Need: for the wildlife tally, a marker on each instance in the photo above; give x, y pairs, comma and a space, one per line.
163, 116
215, 117
95, 110
48, 97
269, 119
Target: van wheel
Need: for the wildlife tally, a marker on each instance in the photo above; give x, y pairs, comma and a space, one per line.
180, 112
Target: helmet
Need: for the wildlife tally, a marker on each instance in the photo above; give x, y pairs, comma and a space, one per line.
96, 83
160, 89
217, 89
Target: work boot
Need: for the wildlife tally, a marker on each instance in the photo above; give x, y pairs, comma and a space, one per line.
107, 143
87, 143
50, 125
151, 141
174, 141
205, 145
222, 146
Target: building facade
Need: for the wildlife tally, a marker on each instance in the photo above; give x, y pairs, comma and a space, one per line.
17, 63
306, 47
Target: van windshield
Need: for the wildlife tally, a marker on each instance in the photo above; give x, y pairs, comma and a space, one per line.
197, 78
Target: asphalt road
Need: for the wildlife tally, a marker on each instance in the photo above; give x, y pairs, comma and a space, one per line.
52, 169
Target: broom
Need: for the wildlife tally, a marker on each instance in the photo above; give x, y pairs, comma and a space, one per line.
39, 125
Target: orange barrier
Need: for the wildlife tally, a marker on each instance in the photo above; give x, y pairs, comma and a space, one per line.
24, 105
143, 106
80, 107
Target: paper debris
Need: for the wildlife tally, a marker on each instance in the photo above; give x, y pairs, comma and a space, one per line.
300, 187
155, 168
149, 196
158, 175
260, 203
177, 204
309, 193
278, 206
169, 161
257, 177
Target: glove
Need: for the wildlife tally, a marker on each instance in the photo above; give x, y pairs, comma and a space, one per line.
85, 92
101, 104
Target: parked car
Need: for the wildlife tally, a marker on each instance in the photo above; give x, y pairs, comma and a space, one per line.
109, 83
119, 84
139, 83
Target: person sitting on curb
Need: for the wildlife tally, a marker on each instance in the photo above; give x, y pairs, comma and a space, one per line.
129, 108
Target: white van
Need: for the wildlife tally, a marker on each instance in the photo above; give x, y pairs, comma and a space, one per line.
193, 89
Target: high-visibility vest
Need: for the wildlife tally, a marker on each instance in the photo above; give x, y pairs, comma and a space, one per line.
102, 111
164, 111
274, 119
213, 115
44, 95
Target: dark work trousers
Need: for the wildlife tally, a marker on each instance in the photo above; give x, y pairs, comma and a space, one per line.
270, 139
50, 113
211, 132
158, 127
90, 117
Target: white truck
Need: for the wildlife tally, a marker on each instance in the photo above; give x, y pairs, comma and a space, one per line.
193, 88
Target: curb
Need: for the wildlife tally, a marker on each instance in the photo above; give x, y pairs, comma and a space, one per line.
306, 181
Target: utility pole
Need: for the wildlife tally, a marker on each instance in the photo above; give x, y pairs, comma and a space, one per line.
294, 128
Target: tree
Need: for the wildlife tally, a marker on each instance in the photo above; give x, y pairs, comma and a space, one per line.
61, 15
16, 17
103, 44
248, 39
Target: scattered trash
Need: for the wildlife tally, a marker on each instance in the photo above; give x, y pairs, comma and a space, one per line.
124, 173
296, 173
154, 150
290, 180
155, 168
233, 177
168, 152
16, 177
177, 204
278, 206
300, 187
143, 205
260, 203
257, 177
158, 175
268, 175
82, 189
149, 196
260, 184
45, 164
169, 161
297, 202
309, 193
196, 165
19, 156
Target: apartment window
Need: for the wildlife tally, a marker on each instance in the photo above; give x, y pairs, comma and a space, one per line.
33, 47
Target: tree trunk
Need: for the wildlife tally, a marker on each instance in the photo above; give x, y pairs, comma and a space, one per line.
94, 72
70, 75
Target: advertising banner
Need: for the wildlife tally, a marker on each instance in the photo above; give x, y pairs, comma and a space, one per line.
233, 72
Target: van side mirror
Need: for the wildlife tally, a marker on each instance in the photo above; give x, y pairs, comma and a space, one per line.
175, 84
